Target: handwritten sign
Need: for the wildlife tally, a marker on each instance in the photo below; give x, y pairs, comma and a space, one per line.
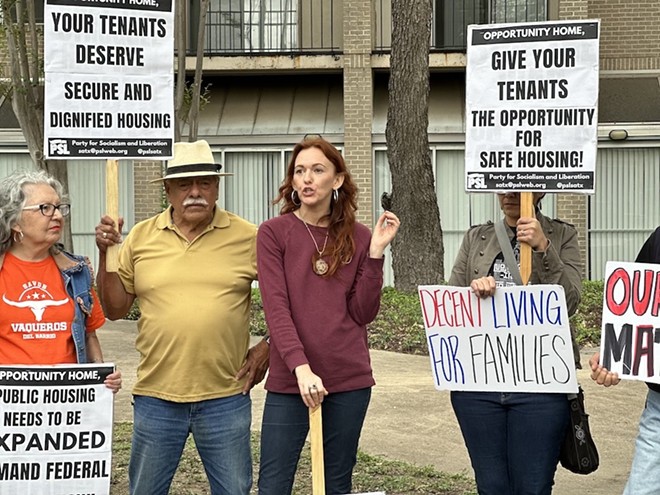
109, 79
55, 429
531, 106
631, 321
516, 341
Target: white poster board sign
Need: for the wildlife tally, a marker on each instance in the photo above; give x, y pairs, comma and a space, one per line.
109, 79
531, 107
631, 321
519, 340
55, 429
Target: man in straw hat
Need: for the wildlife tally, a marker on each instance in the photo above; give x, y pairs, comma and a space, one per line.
191, 267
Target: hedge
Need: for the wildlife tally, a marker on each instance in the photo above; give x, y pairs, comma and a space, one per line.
399, 326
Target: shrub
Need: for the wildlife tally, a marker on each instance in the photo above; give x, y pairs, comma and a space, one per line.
586, 321
257, 319
399, 326
134, 312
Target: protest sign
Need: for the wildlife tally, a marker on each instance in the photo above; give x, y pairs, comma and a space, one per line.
109, 79
519, 340
631, 321
531, 107
55, 429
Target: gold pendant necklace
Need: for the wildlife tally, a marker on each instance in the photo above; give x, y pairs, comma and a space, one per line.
319, 265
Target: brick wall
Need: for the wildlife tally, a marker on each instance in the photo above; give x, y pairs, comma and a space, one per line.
358, 101
572, 208
630, 33
148, 196
573, 9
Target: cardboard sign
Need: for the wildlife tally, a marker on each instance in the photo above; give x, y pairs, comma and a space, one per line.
519, 340
531, 106
109, 79
631, 321
55, 429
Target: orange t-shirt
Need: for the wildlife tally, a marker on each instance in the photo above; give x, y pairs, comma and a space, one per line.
36, 314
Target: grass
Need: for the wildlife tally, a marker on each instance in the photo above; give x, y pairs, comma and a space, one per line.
372, 473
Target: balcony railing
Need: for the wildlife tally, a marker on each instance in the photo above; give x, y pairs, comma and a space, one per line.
266, 27
274, 26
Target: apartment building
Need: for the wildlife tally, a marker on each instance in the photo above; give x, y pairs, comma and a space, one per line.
277, 70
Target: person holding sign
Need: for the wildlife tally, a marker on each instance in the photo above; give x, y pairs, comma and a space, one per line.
320, 276
191, 267
513, 439
644, 478
49, 312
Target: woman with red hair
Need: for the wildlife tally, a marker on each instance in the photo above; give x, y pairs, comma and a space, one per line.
320, 276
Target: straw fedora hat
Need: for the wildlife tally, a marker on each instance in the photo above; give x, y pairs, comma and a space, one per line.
191, 160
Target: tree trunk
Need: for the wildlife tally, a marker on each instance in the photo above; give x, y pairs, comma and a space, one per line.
417, 251
197, 84
181, 52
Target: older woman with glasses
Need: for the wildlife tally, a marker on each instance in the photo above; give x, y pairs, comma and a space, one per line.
49, 312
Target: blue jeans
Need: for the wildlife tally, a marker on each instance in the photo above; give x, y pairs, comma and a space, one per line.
513, 439
284, 429
644, 476
220, 427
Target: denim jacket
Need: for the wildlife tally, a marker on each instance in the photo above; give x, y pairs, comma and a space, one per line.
77, 277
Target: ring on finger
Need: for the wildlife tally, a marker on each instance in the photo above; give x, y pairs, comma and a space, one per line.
105, 235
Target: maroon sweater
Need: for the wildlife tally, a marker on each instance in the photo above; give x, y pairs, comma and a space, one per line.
313, 320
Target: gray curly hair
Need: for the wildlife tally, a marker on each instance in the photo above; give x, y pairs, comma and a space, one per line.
12, 200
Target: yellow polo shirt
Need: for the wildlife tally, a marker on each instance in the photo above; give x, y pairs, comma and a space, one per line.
193, 333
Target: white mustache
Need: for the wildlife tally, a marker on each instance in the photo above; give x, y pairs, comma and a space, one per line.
195, 201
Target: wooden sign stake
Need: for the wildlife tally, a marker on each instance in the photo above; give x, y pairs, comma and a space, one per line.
112, 210
526, 210
316, 440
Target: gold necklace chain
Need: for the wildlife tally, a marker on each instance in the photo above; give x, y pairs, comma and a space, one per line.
320, 266
316, 245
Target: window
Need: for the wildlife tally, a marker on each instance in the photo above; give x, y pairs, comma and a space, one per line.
254, 185
252, 25
517, 11
625, 208
453, 18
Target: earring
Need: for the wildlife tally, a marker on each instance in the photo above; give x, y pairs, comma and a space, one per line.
335, 195
294, 195
18, 237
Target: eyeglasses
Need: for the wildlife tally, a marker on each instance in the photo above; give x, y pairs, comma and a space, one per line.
48, 209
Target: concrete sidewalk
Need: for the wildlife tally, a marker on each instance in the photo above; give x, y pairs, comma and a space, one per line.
409, 420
